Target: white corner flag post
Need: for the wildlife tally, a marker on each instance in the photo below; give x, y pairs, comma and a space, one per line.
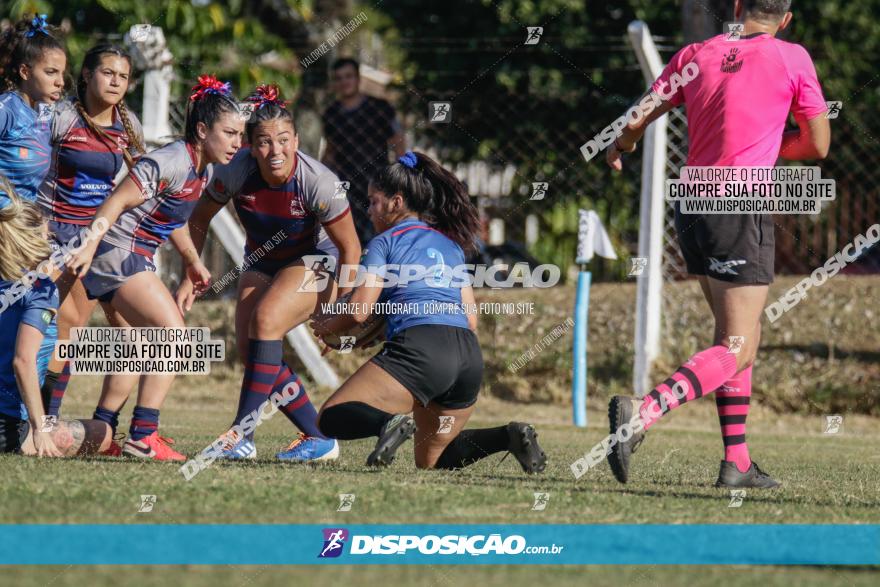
592, 240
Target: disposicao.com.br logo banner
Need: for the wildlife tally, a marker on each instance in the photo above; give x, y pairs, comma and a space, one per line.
441, 544
474, 544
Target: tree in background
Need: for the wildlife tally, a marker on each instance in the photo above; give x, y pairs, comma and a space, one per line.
247, 42
530, 106
533, 106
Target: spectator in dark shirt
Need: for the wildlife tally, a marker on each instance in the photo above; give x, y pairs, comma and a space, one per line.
358, 130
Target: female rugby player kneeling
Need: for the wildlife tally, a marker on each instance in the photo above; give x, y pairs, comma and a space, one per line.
431, 364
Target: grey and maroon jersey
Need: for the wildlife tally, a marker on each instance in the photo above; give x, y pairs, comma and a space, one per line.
171, 188
312, 197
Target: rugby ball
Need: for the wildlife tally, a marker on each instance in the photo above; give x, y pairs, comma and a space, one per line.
359, 336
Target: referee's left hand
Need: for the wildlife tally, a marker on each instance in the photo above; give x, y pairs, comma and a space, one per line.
613, 158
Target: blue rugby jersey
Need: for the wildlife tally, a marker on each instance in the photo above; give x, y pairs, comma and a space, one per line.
171, 188
24, 144
85, 166
413, 242
300, 207
36, 307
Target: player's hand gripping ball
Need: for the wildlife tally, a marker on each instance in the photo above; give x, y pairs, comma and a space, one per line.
363, 335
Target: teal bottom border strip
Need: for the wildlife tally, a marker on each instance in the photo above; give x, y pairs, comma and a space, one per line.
487, 544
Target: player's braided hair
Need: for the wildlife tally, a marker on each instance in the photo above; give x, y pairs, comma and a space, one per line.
434, 193
24, 43
91, 62
22, 244
209, 100
268, 105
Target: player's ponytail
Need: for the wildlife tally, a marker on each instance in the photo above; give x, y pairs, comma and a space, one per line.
435, 194
91, 62
24, 44
22, 244
209, 100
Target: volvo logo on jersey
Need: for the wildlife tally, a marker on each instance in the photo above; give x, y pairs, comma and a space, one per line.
91, 187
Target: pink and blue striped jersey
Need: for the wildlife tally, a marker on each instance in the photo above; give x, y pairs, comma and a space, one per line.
310, 199
85, 166
171, 188
24, 144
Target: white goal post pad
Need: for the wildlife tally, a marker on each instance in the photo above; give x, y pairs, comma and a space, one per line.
649, 295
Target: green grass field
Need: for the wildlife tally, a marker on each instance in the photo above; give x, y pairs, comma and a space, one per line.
437, 576
827, 479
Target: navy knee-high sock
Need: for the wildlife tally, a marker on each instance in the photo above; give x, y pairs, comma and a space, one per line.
261, 370
58, 390
108, 416
300, 410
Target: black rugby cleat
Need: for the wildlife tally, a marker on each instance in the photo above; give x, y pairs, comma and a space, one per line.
524, 446
395, 432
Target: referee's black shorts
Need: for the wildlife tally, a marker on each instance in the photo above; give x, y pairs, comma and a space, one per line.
436, 363
737, 248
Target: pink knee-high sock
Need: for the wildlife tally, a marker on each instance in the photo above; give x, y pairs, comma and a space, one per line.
732, 400
698, 376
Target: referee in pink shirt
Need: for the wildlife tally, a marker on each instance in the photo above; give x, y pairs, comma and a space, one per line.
737, 108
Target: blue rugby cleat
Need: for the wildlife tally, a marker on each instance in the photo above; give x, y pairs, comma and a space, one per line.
236, 447
310, 449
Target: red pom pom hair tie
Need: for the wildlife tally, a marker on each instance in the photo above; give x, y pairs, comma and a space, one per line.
267, 94
208, 84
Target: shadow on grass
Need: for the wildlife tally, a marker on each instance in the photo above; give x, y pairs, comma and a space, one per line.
824, 351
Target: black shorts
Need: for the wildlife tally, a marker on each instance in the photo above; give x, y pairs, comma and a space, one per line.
737, 248
13, 432
436, 363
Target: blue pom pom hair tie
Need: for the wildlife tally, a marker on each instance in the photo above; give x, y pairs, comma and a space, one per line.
38, 25
409, 159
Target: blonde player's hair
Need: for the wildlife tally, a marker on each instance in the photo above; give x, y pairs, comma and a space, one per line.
23, 244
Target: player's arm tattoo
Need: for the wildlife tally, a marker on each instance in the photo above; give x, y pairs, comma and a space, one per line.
76, 435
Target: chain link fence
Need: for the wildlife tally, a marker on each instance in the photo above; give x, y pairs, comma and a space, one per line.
522, 163
804, 242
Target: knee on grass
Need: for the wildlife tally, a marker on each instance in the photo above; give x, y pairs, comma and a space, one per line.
428, 462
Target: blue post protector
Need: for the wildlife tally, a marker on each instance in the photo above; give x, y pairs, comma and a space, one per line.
579, 381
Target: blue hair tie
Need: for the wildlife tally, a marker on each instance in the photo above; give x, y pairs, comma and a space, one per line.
409, 159
38, 25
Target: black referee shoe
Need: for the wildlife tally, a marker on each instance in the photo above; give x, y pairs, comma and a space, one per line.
395, 432
524, 446
621, 410
729, 476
